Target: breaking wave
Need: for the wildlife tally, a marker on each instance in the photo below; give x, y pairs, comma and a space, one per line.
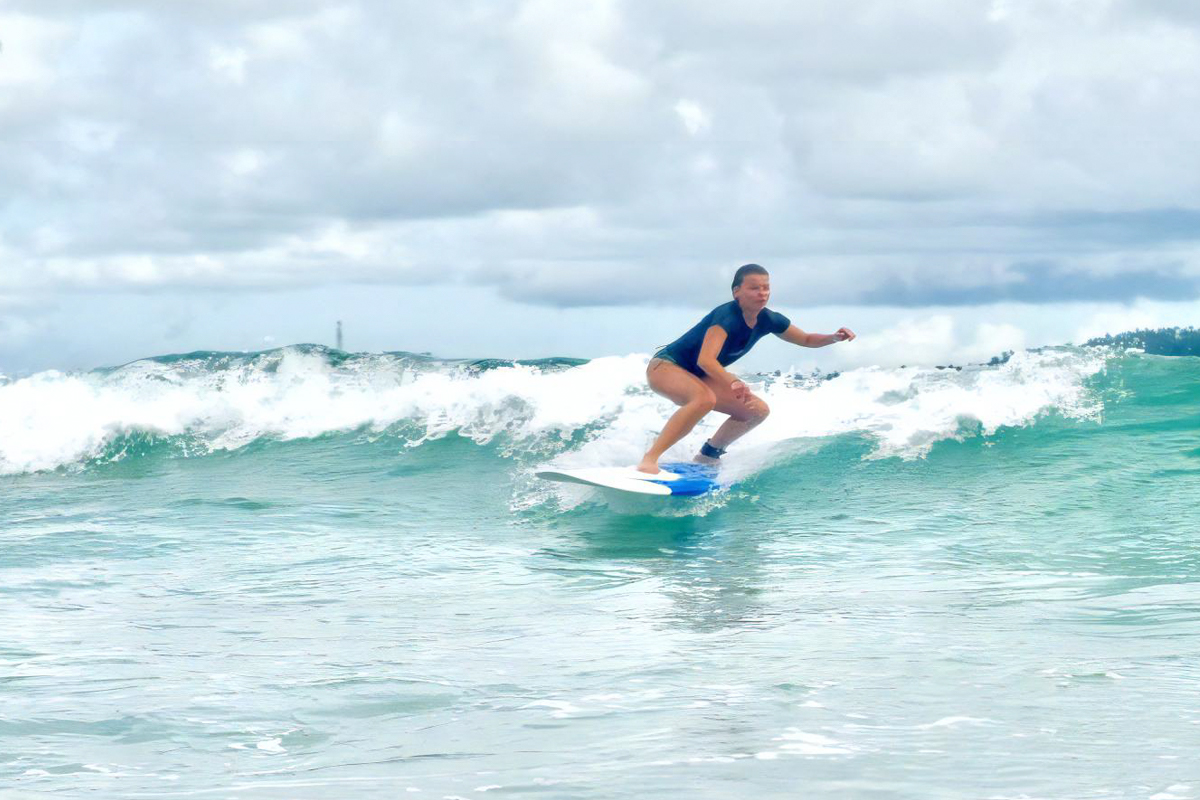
570, 411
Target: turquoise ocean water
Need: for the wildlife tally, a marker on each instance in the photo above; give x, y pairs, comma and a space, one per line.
303, 574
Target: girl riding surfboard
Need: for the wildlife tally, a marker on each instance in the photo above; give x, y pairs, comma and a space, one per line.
690, 371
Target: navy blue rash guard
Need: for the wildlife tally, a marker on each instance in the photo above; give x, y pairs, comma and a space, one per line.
739, 339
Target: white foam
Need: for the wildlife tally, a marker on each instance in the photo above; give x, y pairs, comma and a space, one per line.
811, 744
950, 722
1176, 791
905, 411
52, 419
560, 709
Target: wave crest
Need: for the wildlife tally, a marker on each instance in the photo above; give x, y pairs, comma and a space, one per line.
593, 412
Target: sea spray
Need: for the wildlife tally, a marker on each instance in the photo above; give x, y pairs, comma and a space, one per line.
594, 413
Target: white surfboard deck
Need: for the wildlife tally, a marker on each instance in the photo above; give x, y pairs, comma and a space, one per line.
672, 479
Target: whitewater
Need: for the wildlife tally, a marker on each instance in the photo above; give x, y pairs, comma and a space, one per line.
307, 573
220, 401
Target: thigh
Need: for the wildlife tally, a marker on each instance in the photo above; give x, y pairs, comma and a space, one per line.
726, 403
674, 382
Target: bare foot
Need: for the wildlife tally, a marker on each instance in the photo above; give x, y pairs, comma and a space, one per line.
703, 459
649, 467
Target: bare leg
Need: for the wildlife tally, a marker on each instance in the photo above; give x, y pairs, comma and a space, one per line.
678, 426
733, 429
744, 416
685, 390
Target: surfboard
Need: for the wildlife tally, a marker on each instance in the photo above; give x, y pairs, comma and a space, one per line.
675, 479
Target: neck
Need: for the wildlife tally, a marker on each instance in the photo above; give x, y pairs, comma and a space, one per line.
747, 313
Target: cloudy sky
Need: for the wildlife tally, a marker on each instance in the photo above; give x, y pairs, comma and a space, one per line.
580, 177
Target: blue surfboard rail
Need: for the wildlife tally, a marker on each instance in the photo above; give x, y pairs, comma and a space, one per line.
694, 479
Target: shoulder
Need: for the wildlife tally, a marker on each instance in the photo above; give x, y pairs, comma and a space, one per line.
776, 322
725, 315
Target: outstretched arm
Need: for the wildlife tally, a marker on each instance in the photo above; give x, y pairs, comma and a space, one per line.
796, 336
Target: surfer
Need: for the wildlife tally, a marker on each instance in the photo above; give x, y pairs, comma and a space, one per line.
690, 371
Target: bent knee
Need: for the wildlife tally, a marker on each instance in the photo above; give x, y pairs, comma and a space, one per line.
756, 411
705, 401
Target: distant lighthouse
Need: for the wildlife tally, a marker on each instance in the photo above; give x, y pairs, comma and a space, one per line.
339, 335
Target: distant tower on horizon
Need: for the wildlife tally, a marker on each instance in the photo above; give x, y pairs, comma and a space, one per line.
339, 335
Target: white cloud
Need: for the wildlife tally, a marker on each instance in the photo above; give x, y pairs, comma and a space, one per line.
999, 10
569, 152
1119, 319
993, 338
695, 117
243, 162
401, 137
912, 340
88, 136
229, 62
29, 44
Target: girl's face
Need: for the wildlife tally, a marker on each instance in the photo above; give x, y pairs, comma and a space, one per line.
754, 292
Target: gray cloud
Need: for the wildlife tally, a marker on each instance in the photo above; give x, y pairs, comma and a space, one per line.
1174, 10
1041, 283
590, 153
1148, 227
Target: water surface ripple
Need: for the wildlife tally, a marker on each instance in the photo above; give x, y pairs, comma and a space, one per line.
1009, 615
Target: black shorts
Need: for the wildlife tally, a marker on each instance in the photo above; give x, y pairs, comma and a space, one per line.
669, 357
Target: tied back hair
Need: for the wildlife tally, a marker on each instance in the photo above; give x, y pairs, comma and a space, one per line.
743, 271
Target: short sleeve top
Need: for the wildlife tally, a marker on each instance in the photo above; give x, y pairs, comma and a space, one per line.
739, 338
